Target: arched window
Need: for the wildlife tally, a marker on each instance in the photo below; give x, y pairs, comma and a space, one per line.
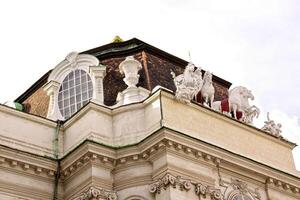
75, 91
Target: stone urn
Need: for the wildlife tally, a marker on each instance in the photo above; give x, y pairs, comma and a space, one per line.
130, 68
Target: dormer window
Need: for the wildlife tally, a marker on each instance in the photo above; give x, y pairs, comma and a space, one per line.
73, 83
74, 92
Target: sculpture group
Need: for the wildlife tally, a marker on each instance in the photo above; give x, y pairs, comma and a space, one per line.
190, 85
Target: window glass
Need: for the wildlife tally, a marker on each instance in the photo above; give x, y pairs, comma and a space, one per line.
75, 91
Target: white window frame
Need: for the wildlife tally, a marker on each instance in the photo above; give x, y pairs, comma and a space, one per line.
89, 64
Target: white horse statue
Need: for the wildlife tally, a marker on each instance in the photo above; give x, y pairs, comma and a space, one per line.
237, 102
208, 90
189, 83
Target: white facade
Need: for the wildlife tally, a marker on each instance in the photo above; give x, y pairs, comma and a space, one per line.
149, 146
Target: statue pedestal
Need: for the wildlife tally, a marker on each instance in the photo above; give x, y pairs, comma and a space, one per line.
132, 95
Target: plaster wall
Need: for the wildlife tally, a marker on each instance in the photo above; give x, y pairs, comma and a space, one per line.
25, 132
223, 132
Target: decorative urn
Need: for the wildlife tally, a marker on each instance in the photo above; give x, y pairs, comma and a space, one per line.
130, 68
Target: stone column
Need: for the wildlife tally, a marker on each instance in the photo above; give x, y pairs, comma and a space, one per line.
98, 73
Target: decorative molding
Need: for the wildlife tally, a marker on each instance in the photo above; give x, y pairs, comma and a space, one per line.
170, 180
144, 155
285, 186
94, 193
26, 167
204, 191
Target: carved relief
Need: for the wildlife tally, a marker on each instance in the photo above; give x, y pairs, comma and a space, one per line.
170, 180
94, 193
204, 191
237, 189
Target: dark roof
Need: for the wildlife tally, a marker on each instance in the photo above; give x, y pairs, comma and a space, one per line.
118, 49
39, 83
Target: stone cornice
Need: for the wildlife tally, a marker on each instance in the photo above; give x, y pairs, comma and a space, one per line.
283, 186
147, 152
97, 194
25, 162
28, 167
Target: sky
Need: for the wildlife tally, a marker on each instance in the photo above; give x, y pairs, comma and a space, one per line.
252, 43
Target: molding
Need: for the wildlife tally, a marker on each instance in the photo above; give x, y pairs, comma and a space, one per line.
170, 180
97, 193
147, 150
283, 186
27, 167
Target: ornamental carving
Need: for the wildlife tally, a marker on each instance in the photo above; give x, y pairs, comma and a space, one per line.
94, 193
237, 189
189, 83
170, 180
204, 191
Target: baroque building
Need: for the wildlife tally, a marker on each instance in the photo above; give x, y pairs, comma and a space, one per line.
129, 121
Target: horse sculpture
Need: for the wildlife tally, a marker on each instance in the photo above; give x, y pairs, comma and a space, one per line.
189, 83
237, 102
208, 90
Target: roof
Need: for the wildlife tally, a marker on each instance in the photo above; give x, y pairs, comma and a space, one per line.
114, 49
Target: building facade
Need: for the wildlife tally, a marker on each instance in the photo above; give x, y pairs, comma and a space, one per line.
129, 121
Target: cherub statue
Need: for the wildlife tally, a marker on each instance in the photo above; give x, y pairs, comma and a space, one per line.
271, 127
189, 83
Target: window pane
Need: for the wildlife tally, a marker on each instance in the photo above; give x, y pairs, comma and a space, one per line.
75, 91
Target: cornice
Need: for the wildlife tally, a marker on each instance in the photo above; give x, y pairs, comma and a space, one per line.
283, 186
27, 163
188, 150
28, 167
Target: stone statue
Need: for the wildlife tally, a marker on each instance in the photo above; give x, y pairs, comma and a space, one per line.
250, 114
208, 90
237, 102
189, 83
271, 127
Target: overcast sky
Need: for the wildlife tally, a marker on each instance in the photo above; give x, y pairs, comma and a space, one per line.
253, 43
